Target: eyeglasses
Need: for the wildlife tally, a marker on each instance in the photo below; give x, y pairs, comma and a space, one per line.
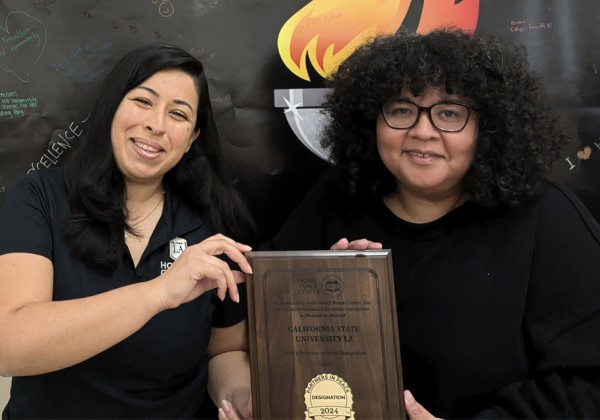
445, 116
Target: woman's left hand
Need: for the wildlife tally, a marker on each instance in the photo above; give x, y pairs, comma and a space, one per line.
239, 408
414, 410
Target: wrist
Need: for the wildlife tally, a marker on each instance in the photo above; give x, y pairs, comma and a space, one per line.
154, 293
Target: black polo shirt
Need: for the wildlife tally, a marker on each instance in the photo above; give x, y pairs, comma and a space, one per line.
158, 372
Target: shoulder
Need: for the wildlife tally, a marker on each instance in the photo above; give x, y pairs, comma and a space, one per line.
44, 189
35, 208
46, 179
558, 201
561, 216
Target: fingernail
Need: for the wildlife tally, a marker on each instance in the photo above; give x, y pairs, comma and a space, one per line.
222, 414
408, 397
236, 298
226, 406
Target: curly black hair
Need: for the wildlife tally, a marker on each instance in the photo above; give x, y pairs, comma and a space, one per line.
519, 135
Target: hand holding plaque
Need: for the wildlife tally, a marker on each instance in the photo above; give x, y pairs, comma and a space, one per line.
323, 335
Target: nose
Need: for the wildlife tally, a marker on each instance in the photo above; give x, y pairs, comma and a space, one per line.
424, 128
155, 122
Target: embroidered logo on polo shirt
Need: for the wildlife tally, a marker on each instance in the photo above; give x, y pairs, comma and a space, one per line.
176, 247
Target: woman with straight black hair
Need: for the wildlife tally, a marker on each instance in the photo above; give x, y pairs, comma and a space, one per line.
119, 274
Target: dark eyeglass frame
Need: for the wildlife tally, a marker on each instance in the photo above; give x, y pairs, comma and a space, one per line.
427, 110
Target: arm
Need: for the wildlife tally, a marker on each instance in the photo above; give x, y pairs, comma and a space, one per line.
38, 335
229, 370
562, 318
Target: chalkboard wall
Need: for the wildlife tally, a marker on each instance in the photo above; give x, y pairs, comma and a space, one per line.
266, 78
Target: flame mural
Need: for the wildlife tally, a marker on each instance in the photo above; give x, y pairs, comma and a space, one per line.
437, 13
325, 32
328, 31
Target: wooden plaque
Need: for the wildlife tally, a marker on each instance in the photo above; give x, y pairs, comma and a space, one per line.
324, 335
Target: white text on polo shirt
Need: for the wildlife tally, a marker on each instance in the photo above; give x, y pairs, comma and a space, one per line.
164, 266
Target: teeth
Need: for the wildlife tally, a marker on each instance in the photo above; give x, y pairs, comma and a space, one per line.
146, 147
421, 155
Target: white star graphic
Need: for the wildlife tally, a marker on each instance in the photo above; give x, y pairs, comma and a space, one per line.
292, 107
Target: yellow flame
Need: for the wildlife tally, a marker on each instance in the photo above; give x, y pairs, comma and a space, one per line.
328, 31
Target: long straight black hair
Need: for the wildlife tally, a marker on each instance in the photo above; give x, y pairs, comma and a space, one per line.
96, 186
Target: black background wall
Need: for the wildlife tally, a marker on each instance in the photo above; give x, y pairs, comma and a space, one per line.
54, 54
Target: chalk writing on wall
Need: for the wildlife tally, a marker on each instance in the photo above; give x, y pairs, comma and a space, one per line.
60, 141
42, 6
11, 105
582, 155
84, 63
523, 26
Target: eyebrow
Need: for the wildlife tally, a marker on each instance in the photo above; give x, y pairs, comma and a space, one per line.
155, 93
460, 101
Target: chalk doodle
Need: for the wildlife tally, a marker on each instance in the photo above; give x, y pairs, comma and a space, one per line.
197, 51
582, 155
585, 153
165, 8
22, 42
201, 7
226, 98
42, 6
202, 53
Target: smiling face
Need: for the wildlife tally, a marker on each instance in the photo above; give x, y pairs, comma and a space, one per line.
425, 161
153, 126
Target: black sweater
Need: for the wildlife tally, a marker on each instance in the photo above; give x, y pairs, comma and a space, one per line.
498, 310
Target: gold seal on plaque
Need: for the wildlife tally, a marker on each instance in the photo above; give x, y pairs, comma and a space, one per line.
328, 396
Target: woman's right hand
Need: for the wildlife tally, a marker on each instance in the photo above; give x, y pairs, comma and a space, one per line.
198, 269
356, 244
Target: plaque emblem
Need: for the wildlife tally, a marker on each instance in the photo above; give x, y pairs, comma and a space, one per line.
332, 285
327, 396
176, 247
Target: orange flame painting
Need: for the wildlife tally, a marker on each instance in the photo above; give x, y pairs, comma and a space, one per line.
328, 31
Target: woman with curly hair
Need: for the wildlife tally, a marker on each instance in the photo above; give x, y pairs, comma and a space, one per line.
442, 144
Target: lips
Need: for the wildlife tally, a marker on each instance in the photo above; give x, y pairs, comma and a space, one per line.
422, 155
146, 147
